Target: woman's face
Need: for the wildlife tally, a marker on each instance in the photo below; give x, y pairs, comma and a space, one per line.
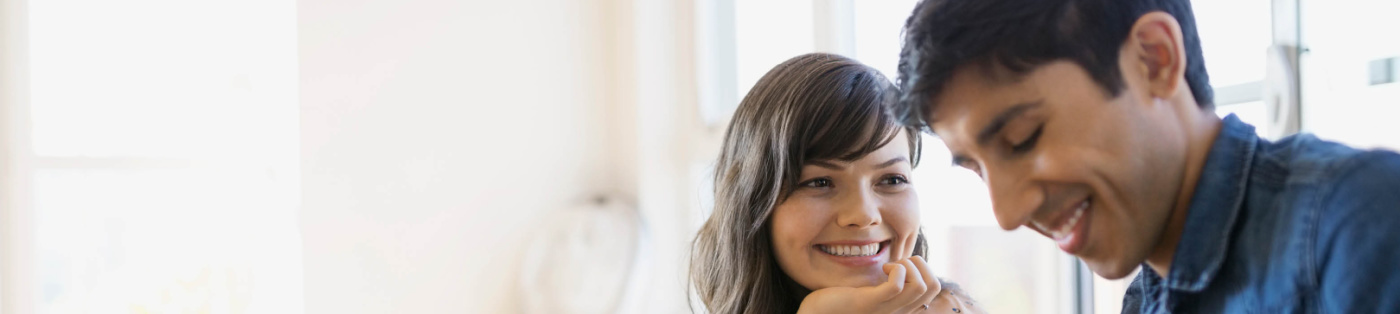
846, 219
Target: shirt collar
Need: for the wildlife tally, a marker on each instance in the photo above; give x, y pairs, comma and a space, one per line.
1218, 198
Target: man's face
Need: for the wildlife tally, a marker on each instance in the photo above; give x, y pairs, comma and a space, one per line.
1098, 175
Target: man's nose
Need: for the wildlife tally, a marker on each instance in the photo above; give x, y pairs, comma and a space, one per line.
1013, 201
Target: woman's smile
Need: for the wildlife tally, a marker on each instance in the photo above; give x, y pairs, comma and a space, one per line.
858, 254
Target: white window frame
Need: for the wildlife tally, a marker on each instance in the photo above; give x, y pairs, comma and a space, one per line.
19, 162
16, 231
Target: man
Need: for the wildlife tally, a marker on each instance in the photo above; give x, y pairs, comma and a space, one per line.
1091, 122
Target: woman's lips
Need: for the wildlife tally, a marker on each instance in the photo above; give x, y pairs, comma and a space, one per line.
850, 250
855, 253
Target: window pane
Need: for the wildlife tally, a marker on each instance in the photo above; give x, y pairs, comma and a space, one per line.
769, 32
166, 241
878, 27
117, 86
162, 78
1339, 102
1235, 37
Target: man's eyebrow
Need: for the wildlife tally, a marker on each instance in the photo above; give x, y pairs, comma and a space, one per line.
891, 162
1001, 119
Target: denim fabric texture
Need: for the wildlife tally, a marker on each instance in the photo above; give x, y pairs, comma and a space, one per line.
1300, 225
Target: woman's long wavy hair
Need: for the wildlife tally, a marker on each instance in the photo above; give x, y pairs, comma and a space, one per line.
812, 107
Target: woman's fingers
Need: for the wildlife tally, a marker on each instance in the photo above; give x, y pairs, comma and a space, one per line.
929, 277
914, 286
892, 287
934, 286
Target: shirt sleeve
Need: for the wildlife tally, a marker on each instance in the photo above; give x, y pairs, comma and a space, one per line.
1358, 238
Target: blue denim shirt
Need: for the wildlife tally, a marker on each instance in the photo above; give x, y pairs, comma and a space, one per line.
1300, 225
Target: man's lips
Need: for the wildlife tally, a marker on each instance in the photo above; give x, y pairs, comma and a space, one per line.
1068, 226
1049, 222
1067, 220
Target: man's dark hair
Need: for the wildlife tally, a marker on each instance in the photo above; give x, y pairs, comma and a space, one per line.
1019, 35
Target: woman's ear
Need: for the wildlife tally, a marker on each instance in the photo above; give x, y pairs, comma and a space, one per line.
1155, 43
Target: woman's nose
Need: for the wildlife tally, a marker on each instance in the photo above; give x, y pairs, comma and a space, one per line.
860, 210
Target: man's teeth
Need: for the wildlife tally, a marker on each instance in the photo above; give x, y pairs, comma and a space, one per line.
851, 250
1068, 227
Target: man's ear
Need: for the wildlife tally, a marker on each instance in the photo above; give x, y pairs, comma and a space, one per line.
1156, 42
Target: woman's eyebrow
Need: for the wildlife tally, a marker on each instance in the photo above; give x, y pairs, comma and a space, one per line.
891, 162
825, 164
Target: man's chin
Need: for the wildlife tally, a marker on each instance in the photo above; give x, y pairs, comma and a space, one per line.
1111, 270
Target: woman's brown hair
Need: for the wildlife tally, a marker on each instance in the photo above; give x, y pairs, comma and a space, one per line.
812, 107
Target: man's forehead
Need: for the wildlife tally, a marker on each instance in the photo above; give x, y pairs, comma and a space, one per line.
947, 120
976, 98
969, 95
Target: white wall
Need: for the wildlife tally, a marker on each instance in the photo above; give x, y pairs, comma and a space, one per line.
433, 133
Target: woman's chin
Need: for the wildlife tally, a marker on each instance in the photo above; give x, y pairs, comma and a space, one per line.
862, 280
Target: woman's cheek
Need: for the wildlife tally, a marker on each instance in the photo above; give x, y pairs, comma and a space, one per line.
786, 227
796, 223
904, 218
911, 206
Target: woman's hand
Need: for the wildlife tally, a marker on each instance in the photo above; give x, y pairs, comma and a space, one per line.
910, 288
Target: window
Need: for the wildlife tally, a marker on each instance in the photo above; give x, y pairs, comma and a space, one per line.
768, 33
1342, 40
159, 159
1235, 38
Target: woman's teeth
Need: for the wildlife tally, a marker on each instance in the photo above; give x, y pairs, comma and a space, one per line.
851, 250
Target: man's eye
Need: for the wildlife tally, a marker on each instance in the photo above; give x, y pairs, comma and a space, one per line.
1029, 143
817, 183
965, 163
969, 165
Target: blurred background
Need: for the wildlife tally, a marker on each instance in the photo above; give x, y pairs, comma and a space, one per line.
434, 156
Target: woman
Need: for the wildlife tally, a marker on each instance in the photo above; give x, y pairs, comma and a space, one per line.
814, 212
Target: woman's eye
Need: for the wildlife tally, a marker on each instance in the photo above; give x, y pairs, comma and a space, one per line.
1029, 143
817, 183
894, 180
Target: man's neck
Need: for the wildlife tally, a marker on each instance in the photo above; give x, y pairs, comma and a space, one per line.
1201, 127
